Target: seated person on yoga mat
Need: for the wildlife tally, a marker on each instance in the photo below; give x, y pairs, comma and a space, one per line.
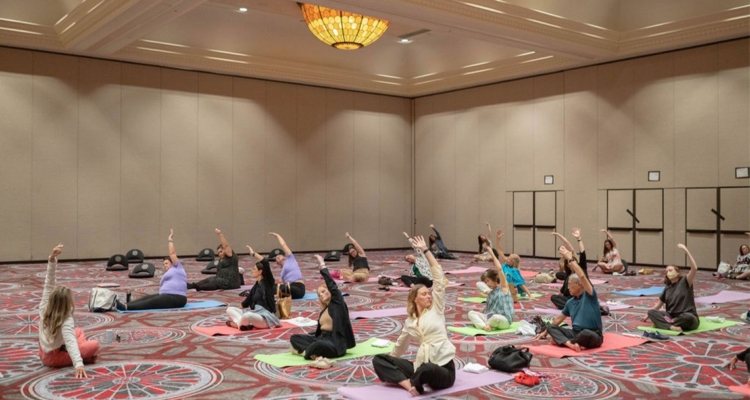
678, 299
259, 305
172, 286
583, 310
482, 254
741, 269
227, 272
437, 247
61, 344
743, 356
290, 272
559, 300
610, 261
334, 333
498, 313
433, 364
420, 267
511, 270
359, 269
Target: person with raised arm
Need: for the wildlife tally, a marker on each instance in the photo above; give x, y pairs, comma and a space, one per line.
359, 269
437, 247
583, 310
678, 298
259, 305
559, 300
610, 261
290, 272
499, 312
61, 344
511, 269
227, 272
433, 365
172, 286
420, 267
482, 254
334, 334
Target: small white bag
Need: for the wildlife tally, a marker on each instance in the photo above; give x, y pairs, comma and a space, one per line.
723, 268
101, 300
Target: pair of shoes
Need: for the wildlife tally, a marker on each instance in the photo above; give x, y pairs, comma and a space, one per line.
322, 363
655, 335
526, 379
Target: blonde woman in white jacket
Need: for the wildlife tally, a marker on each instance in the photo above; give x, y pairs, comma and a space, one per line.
61, 344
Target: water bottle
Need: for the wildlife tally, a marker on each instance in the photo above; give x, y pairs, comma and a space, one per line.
110, 336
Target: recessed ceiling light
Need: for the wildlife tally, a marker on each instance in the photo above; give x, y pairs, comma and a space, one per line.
243, 9
404, 40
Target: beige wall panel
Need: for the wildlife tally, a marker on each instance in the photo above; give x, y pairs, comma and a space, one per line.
16, 149
424, 155
395, 171
366, 170
444, 169
179, 159
653, 116
581, 152
696, 116
54, 177
311, 169
674, 222
523, 242
618, 201
492, 172
703, 248
339, 169
281, 181
99, 159
649, 207
545, 208
519, 134
699, 204
468, 183
730, 248
734, 103
215, 159
735, 208
249, 165
140, 159
649, 248
545, 243
615, 125
523, 208
549, 131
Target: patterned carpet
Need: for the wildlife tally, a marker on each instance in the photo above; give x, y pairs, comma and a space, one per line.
160, 355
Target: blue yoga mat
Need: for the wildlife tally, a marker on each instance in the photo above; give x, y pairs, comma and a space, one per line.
653, 290
189, 306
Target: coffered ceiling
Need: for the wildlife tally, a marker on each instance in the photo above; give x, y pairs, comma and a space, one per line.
453, 43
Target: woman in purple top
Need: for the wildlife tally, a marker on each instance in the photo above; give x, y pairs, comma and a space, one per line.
172, 288
290, 272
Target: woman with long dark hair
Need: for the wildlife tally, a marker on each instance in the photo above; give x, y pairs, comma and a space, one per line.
259, 305
610, 261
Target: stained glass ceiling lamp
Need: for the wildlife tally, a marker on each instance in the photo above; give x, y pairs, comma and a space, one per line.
342, 29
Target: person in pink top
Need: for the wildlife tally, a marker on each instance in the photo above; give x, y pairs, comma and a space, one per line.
61, 344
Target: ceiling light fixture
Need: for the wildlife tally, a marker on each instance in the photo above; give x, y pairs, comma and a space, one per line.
342, 29
243, 9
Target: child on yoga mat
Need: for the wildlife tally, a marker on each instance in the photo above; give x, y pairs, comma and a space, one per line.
511, 270
743, 356
259, 305
334, 333
61, 344
433, 364
610, 261
499, 312
172, 286
677, 298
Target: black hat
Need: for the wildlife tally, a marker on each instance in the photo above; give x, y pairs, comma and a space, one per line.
142, 270
275, 252
206, 254
117, 262
333, 255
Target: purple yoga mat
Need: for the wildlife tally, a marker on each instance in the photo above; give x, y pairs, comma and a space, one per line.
464, 381
725, 296
386, 312
470, 270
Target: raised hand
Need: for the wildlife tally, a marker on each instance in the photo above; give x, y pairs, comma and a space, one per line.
406, 235
346, 235
420, 243
171, 234
576, 233
250, 249
321, 262
217, 231
682, 246
499, 233
56, 251
432, 226
565, 252
273, 234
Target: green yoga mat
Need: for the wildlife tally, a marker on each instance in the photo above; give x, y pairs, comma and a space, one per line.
706, 325
288, 359
473, 299
472, 331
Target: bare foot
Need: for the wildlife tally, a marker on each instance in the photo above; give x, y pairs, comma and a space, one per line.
488, 328
675, 328
573, 346
413, 391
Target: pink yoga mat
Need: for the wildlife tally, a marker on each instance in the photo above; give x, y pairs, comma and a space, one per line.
386, 312
528, 274
470, 270
223, 330
744, 389
725, 296
612, 341
464, 381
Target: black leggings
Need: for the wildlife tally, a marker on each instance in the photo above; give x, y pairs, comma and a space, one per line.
209, 284
584, 337
318, 346
297, 289
414, 280
394, 370
158, 301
